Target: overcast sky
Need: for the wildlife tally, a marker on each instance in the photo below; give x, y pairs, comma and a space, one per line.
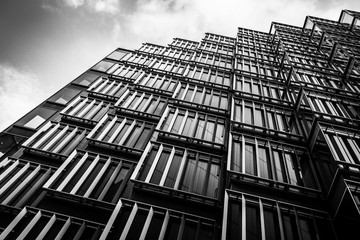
44, 44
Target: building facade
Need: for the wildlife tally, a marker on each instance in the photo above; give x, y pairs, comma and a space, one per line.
254, 136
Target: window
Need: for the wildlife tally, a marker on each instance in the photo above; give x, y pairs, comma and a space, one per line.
64, 96
85, 109
36, 117
56, 138
33, 222
127, 72
271, 160
250, 113
92, 176
344, 144
157, 81
193, 124
130, 219
202, 95
108, 89
20, 181
208, 75
253, 87
266, 217
103, 66
142, 103
121, 133
117, 54
86, 79
180, 169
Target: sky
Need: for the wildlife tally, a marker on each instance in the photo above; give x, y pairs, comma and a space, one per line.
44, 44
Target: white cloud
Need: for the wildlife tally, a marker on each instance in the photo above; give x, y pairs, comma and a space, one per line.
20, 92
105, 6
73, 3
159, 21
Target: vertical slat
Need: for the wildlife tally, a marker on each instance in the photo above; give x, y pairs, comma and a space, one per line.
95, 84
225, 216
25, 182
60, 169
141, 161
4, 162
153, 165
243, 216
65, 140
262, 220
98, 126
9, 170
146, 224
36, 186
14, 222
129, 222
282, 234
111, 221
164, 226
243, 154
14, 178
180, 171
167, 167
72, 103
181, 229
101, 86
110, 181
41, 130
230, 152
46, 228
172, 120
98, 177
73, 172
182, 125
29, 226
80, 231
123, 96
164, 115
85, 175
63, 230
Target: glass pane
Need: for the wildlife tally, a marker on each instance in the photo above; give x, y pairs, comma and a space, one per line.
64, 96
263, 162
253, 226
236, 157
189, 173
250, 159
200, 176
156, 177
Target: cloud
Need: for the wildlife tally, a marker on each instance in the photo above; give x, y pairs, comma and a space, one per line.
73, 3
20, 91
106, 6
101, 6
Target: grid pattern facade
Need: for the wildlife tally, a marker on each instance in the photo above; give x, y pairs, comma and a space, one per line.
248, 137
